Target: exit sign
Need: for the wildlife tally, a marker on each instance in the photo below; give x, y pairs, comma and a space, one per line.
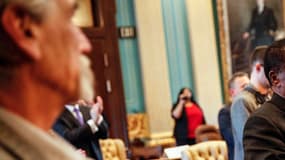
127, 32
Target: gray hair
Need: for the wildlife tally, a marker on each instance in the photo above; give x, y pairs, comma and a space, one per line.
35, 8
11, 56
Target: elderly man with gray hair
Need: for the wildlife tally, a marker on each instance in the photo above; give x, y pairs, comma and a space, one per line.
39, 73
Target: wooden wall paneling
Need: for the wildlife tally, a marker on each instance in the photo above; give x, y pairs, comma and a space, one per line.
117, 100
104, 41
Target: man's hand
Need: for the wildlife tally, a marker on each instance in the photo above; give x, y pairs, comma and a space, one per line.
94, 112
97, 109
100, 104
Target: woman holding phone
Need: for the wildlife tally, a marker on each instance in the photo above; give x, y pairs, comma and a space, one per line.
188, 116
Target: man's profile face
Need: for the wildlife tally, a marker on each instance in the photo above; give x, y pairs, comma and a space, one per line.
280, 86
239, 84
61, 45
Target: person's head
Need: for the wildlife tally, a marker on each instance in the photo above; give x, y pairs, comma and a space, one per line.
237, 83
260, 2
257, 76
274, 66
187, 94
39, 39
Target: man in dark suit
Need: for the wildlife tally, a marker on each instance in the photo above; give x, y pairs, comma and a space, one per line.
262, 25
83, 125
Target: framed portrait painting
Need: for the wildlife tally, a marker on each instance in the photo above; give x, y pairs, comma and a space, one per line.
238, 36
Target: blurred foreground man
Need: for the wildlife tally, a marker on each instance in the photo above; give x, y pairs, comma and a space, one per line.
39, 73
264, 132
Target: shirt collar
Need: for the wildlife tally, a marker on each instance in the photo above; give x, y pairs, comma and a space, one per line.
71, 107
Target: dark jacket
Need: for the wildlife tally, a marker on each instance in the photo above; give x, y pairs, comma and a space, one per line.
264, 132
81, 136
262, 23
225, 126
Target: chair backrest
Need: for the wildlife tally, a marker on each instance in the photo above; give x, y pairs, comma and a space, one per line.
210, 150
138, 126
139, 133
113, 149
207, 132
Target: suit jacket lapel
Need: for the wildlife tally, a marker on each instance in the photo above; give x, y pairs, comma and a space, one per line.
69, 119
85, 113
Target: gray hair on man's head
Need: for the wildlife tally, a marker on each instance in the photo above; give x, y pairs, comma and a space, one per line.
11, 55
35, 8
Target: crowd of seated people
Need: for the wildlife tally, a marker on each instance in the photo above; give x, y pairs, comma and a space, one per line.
252, 118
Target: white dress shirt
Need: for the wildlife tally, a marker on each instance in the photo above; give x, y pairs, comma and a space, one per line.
90, 122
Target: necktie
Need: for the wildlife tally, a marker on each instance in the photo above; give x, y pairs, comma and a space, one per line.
78, 116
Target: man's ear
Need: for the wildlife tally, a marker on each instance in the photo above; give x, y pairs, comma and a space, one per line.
231, 91
274, 79
258, 66
22, 29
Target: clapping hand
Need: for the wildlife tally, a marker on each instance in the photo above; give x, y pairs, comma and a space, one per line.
99, 103
96, 109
